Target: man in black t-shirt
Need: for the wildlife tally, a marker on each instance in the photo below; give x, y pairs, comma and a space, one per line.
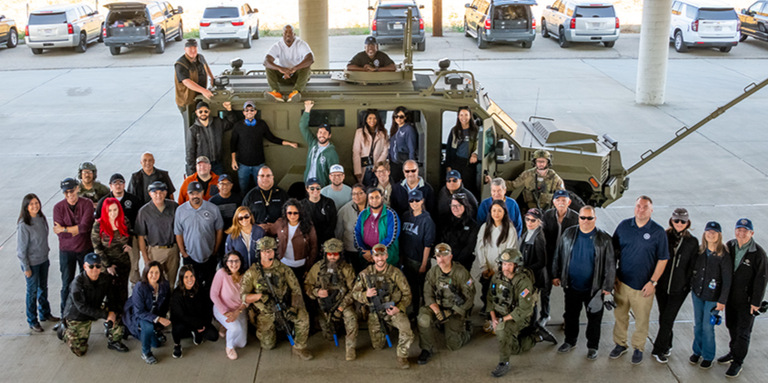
371, 59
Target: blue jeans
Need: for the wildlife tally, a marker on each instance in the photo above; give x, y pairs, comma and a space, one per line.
148, 337
217, 167
703, 332
244, 175
69, 263
37, 292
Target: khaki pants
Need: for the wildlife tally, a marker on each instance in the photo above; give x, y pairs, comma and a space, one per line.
298, 80
134, 254
169, 258
627, 298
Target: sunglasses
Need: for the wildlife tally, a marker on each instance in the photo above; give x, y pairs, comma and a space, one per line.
530, 219
291, 213
118, 182
679, 221
586, 218
453, 180
411, 170
244, 217
399, 116
249, 110
96, 266
414, 200
203, 112
314, 188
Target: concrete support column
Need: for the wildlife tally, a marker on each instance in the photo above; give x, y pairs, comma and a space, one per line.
654, 52
437, 18
313, 26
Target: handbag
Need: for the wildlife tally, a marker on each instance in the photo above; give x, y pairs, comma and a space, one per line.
369, 177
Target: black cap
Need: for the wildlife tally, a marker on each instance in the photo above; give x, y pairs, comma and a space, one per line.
714, 226
195, 186
116, 177
157, 185
202, 104
452, 174
535, 213
415, 195
326, 127
190, 43
225, 177
68, 184
92, 259
311, 181
370, 40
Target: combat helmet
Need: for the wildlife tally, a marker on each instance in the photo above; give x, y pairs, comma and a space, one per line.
512, 255
266, 243
333, 245
86, 166
542, 153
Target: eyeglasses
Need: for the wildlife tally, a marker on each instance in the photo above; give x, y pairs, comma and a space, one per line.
244, 217
399, 116
452, 180
411, 170
358, 193
586, 218
291, 213
233, 261
414, 200
456, 206
314, 188
380, 171
679, 221
96, 266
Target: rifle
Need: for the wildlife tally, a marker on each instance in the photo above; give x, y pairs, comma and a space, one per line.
378, 307
280, 306
330, 304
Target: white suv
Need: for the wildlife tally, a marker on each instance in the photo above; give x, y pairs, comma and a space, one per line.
229, 22
580, 21
704, 24
59, 26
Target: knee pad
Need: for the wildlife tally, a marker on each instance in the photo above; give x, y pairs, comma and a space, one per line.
423, 320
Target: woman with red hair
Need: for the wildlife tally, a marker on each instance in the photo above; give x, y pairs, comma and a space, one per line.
110, 241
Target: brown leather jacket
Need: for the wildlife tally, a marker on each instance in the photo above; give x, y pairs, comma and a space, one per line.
304, 246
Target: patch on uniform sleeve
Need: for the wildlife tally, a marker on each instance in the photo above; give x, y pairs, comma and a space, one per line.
469, 282
525, 293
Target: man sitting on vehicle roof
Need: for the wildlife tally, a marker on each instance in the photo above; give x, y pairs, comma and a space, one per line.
295, 57
371, 59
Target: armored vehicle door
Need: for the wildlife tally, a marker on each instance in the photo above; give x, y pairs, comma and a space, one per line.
487, 145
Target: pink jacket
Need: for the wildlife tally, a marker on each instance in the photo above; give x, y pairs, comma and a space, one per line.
360, 149
224, 293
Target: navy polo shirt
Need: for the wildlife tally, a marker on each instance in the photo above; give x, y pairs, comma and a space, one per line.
638, 251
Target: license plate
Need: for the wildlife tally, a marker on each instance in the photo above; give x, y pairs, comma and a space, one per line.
48, 31
718, 28
593, 25
397, 26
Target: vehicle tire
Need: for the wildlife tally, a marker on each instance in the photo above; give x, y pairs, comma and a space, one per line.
204, 46
481, 42
37, 51
247, 42
422, 46
82, 45
13, 39
725, 49
256, 35
743, 37
527, 44
561, 39
466, 29
180, 36
101, 34
609, 44
680, 43
160, 48
114, 51
544, 31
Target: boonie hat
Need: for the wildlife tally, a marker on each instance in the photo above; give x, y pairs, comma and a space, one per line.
333, 245
379, 249
443, 249
68, 184
560, 193
714, 226
195, 186
336, 169
681, 214
116, 177
745, 223
157, 185
370, 40
453, 174
92, 259
203, 159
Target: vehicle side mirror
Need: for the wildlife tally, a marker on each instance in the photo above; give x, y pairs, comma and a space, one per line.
371, 9
179, 10
254, 10
421, 6
549, 7
506, 152
467, 5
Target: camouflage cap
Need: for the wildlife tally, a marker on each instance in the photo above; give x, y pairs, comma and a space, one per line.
266, 243
379, 249
443, 249
333, 245
511, 255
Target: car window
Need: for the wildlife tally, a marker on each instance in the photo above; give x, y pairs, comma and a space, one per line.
764, 12
483, 6
676, 7
332, 117
690, 11
562, 8
47, 18
569, 12
88, 9
556, 5
401, 11
155, 12
595, 12
717, 14
756, 7
220, 13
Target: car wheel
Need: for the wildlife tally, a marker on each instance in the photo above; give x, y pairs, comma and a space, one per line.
466, 29
180, 36
481, 42
680, 43
256, 35
247, 42
204, 46
37, 51
561, 39
82, 45
743, 37
114, 51
13, 39
725, 49
422, 46
527, 44
544, 31
609, 44
160, 48
101, 34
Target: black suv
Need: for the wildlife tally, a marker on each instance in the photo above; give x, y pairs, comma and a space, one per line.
754, 21
500, 21
142, 24
388, 25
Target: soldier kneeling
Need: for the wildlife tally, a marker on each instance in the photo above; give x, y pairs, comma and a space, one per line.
510, 301
86, 304
330, 281
449, 292
266, 285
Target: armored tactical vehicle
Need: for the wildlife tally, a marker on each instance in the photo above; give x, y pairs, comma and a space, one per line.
590, 165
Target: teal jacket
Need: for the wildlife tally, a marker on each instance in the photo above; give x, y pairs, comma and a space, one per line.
389, 231
327, 158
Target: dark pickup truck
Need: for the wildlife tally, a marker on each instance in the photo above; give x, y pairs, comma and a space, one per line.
142, 24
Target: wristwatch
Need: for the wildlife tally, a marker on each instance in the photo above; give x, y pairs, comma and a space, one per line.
653, 283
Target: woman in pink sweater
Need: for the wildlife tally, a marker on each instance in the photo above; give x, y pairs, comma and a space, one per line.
228, 309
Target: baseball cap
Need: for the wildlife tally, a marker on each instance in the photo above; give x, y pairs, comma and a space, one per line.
116, 177
190, 43
203, 159
249, 103
92, 259
443, 249
379, 249
336, 169
535, 213
326, 127
415, 195
195, 186
681, 214
370, 40
561, 193
453, 174
714, 226
745, 223
68, 184
202, 104
225, 177
312, 181
157, 185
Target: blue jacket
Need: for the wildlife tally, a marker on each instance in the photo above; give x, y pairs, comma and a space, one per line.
403, 145
139, 306
512, 209
237, 244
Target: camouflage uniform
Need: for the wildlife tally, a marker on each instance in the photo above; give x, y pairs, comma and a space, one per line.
282, 279
398, 292
513, 296
113, 254
77, 333
442, 289
339, 282
537, 190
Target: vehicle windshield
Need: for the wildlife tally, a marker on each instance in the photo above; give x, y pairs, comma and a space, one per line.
47, 18
395, 12
595, 12
220, 13
717, 14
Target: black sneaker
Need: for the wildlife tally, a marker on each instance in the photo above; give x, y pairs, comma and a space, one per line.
197, 338
565, 347
60, 329
424, 357
501, 369
733, 371
661, 358
176, 351
705, 364
592, 354
637, 357
546, 335
149, 358
695, 359
161, 339
617, 352
117, 346
725, 359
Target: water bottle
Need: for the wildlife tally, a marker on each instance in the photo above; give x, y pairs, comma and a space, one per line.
712, 284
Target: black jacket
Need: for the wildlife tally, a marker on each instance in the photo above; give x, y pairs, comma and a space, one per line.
535, 256
131, 205
90, 300
398, 201
323, 214
461, 236
749, 278
207, 140
444, 198
604, 274
193, 310
712, 268
676, 278
262, 210
137, 187
552, 231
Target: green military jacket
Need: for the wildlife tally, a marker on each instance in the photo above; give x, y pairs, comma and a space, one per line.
282, 278
512, 296
338, 281
111, 252
537, 191
391, 280
442, 288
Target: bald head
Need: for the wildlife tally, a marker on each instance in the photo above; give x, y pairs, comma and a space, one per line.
148, 163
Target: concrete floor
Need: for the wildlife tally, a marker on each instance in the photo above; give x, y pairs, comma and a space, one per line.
62, 108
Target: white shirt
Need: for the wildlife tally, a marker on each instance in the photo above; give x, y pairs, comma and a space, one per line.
288, 258
487, 254
288, 57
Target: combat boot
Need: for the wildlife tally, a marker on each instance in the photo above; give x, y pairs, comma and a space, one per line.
545, 335
501, 369
302, 353
351, 354
403, 363
117, 346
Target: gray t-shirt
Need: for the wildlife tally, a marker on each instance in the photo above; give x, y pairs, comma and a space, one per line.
198, 228
340, 198
157, 227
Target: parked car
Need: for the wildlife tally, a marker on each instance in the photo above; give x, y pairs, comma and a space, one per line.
63, 26
500, 21
229, 23
703, 24
754, 21
389, 20
9, 35
142, 24
580, 21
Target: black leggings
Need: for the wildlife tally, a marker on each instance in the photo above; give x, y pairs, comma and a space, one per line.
181, 330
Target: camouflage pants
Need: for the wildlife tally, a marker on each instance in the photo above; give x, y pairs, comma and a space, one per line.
78, 332
399, 321
265, 328
456, 334
512, 341
350, 324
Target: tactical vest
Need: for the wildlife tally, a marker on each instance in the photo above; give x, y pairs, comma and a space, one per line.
447, 291
384, 285
331, 279
505, 295
279, 284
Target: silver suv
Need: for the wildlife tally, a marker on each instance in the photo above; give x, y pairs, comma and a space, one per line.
229, 22
580, 21
63, 26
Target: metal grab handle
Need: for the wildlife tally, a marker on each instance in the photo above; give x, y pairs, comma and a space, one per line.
646, 154
683, 129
